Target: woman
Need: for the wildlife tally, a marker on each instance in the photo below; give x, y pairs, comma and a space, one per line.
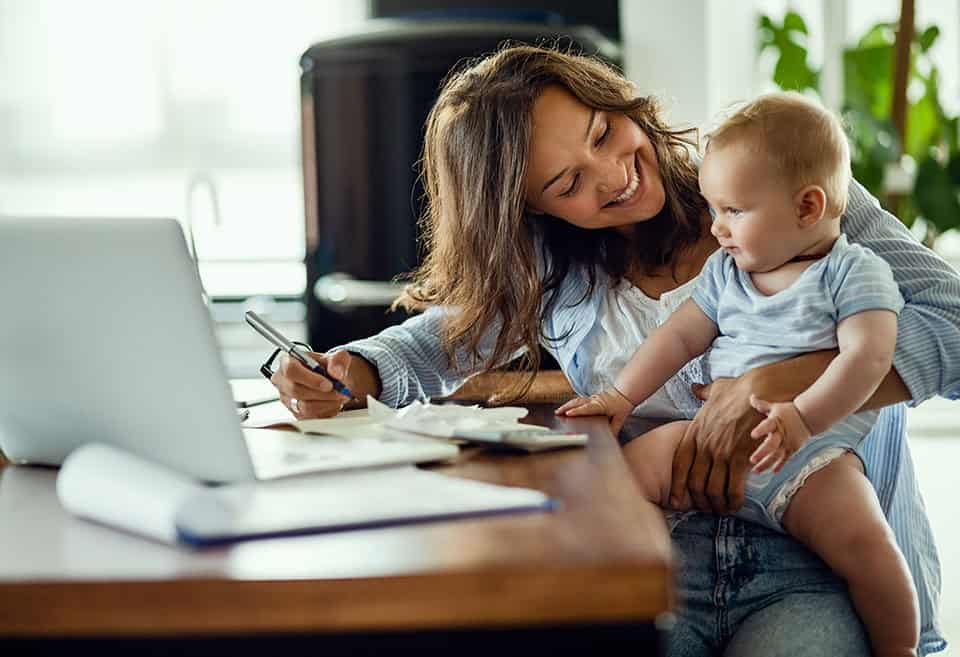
562, 211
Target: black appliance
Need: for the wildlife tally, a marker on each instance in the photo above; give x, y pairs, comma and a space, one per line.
364, 101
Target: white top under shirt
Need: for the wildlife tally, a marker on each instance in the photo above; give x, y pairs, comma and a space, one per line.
626, 317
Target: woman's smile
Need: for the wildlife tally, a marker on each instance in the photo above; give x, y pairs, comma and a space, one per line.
600, 173
631, 194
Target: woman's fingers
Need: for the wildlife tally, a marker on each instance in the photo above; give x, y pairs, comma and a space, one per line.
303, 409
314, 394
760, 405
338, 364
295, 372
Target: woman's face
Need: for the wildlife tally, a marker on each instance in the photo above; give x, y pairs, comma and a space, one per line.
590, 168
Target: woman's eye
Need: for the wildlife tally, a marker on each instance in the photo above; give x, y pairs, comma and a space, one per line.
603, 137
573, 186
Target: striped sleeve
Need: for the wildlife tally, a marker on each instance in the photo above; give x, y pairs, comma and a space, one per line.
411, 360
928, 329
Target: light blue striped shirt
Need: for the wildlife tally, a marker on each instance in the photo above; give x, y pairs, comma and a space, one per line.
756, 328
412, 364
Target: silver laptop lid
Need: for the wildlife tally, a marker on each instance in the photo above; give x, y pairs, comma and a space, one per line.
104, 337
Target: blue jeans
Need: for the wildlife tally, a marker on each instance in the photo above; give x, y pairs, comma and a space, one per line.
746, 590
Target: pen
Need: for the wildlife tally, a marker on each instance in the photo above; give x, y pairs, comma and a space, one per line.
294, 351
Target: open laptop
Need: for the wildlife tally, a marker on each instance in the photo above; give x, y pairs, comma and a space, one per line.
104, 338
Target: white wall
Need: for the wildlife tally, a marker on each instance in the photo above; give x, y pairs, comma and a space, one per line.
697, 55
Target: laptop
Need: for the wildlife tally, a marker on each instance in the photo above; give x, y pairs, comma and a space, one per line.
104, 337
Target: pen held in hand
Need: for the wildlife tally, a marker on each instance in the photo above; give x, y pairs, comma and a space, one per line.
316, 367
283, 343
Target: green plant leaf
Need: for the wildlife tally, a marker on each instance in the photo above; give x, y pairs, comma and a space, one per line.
792, 71
867, 78
793, 22
923, 126
936, 195
881, 34
953, 168
928, 37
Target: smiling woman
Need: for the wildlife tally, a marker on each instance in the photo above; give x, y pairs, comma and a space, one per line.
562, 211
601, 168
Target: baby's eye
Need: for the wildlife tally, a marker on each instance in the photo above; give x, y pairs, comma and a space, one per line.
733, 212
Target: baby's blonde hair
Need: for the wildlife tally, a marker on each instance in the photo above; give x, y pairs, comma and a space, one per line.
804, 142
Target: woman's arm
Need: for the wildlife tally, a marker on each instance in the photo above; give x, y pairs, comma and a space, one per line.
411, 361
716, 447
927, 356
398, 365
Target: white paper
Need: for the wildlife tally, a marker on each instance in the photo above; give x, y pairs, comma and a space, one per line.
424, 418
112, 486
348, 499
446, 420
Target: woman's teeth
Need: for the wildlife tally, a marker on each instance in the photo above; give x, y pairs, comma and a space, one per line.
630, 190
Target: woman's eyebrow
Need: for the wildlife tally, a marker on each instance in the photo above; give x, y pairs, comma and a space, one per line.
586, 137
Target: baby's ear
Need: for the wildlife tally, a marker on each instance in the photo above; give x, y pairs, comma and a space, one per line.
811, 204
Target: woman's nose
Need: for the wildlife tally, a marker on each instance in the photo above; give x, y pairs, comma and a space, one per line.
613, 177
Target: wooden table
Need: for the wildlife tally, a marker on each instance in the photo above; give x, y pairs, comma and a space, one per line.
598, 569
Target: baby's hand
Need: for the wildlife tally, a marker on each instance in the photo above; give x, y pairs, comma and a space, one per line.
785, 433
609, 402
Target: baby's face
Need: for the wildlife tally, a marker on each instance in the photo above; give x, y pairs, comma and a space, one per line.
753, 210
590, 168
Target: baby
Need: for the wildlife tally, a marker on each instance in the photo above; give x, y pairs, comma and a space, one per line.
785, 281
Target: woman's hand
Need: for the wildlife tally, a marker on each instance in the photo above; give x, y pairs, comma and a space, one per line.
611, 402
311, 395
713, 458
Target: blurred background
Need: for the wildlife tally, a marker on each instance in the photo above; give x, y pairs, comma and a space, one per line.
283, 135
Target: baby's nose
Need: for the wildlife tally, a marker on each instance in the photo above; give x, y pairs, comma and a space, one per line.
718, 228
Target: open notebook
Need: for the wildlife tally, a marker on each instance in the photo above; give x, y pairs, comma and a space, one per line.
116, 488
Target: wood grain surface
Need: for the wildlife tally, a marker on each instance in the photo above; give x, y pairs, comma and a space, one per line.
603, 556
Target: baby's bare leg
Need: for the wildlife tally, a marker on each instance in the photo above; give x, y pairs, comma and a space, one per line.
837, 515
650, 457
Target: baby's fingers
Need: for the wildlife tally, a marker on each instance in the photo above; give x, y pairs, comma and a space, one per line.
767, 447
772, 460
573, 403
767, 427
588, 407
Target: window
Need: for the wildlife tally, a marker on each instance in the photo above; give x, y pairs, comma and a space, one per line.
133, 108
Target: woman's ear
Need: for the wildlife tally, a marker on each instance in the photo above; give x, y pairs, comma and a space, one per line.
811, 204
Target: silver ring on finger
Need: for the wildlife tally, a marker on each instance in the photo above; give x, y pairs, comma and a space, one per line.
295, 405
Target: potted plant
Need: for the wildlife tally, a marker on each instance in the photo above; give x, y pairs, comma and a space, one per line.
917, 176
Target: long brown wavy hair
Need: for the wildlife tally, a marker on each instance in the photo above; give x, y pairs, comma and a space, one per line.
480, 242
